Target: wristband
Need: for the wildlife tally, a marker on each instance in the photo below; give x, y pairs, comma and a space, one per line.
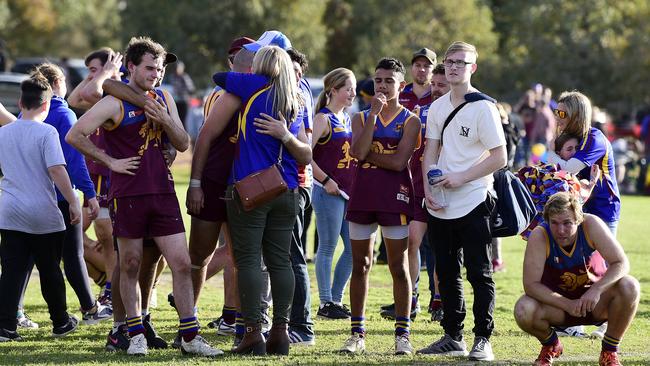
324, 181
286, 137
195, 183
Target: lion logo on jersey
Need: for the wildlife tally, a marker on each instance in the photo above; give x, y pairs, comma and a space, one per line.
571, 281
347, 158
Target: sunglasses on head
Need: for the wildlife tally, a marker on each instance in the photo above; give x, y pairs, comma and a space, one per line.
560, 113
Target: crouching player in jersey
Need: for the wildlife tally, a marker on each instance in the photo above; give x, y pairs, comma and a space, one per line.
143, 200
383, 140
567, 282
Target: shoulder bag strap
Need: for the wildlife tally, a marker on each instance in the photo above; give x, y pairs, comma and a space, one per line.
448, 120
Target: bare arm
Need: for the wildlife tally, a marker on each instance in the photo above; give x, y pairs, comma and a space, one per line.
218, 118
75, 100
5, 116
572, 165
492, 163
612, 252
92, 92
103, 113
362, 133
169, 121
405, 148
62, 181
429, 157
534, 260
298, 146
124, 92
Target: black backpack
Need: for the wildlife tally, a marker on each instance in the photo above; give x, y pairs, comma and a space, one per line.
514, 209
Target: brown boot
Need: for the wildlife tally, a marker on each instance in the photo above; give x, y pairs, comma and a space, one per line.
253, 342
278, 342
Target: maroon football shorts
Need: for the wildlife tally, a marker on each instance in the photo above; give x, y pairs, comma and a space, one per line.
146, 216
382, 218
214, 205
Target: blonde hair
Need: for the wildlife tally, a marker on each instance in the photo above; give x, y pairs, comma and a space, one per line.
562, 202
51, 72
275, 63
578, 108
334, 79
462, 46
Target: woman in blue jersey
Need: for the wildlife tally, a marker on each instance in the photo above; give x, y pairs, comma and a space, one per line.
573, 116
333, 171
268, 131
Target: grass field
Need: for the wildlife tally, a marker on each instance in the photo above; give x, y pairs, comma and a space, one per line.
511, 346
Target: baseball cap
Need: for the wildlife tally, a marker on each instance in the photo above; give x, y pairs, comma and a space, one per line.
238, 43
272, 37
426, 53
170, 58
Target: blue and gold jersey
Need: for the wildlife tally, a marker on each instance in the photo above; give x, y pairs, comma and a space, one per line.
571, 271
256, 151
605, 200
332, 151
382, 190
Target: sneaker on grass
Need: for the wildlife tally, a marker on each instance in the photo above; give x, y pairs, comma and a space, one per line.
118, 340
481, 350
548, 354
446, 346
403, 345
137, 345
332, 311
25, 322
67, 328
600, 331
200, 347
9, 335
576, 331
354, 345
153, 339
300, 338
223, 328
96, 314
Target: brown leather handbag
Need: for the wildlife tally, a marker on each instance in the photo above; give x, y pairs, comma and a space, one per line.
261, 187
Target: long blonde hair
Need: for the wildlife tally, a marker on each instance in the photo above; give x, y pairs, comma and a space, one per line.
274, 62
334, 79
578, 108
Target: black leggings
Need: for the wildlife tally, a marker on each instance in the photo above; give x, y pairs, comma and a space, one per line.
71, 250
18, 253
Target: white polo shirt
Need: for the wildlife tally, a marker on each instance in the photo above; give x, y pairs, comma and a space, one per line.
470, 135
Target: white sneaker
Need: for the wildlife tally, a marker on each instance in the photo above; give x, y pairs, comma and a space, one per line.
199, 346
25, 322
577, 331
355, 344
403, 345
137, 345
481, 350
600, 331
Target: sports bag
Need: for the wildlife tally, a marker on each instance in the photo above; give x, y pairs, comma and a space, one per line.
514, 209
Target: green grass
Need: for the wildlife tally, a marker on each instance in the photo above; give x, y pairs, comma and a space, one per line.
511, 345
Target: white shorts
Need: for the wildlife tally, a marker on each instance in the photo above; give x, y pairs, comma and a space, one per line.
364, 232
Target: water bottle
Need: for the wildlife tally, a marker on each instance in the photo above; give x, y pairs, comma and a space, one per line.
437, 192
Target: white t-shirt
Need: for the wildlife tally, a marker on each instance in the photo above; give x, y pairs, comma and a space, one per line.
27, 197
470, 135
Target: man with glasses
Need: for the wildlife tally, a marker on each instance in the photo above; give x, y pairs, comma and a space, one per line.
473, 147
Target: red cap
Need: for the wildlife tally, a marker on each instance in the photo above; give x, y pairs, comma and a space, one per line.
238, 43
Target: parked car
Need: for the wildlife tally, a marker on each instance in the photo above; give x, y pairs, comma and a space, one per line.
74, 68
10, 90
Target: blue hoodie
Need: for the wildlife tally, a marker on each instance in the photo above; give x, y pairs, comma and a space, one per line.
62, 118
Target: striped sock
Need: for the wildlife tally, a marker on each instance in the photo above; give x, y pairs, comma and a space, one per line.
610, 343
550, 339
107, 290
189, 328
402, 326
135, 326
358, 325
240, 329
229, 314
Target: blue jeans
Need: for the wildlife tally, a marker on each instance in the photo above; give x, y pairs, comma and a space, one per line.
331, 223
613, 227
300, 318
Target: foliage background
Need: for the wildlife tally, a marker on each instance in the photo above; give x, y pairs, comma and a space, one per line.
597, 46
